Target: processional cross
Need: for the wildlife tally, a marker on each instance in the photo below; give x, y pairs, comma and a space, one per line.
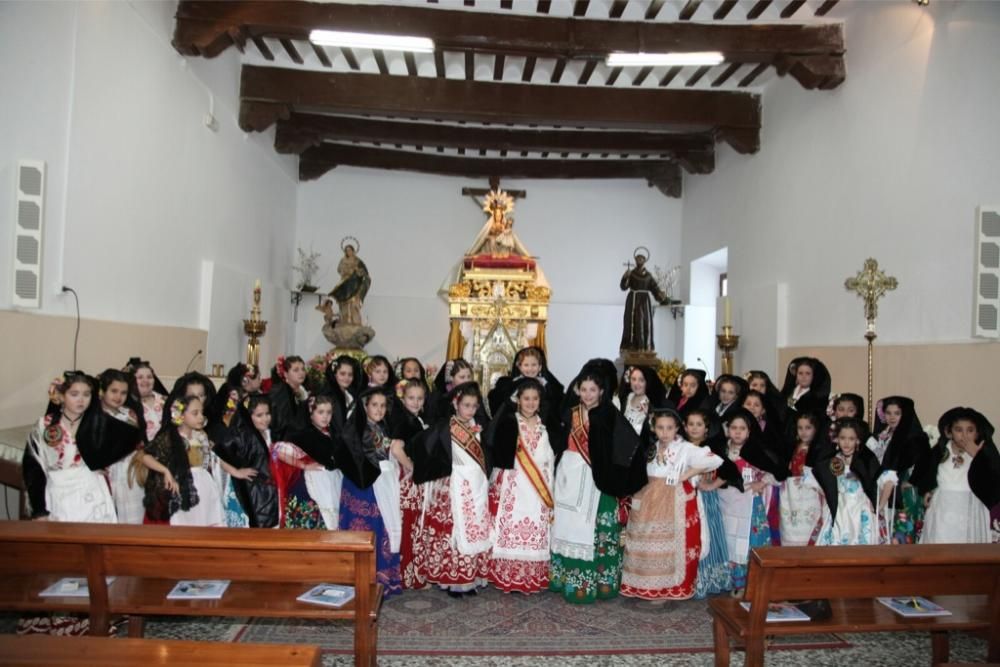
871, 284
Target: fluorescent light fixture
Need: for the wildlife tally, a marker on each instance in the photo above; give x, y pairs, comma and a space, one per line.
365, 40
643, 59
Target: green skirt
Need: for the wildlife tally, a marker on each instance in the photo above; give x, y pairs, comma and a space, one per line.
584, 581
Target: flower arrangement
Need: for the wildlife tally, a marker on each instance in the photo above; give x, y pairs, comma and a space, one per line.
316, 370
669, 371
307, 268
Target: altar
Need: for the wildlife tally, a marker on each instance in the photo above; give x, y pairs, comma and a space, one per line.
498, 298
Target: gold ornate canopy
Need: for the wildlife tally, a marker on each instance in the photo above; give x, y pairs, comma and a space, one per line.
498, 299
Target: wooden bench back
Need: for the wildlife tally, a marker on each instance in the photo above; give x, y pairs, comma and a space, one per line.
790, 573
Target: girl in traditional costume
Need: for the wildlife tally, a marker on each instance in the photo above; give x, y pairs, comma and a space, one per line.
453, 544
379, 372
62, 464
123, 476
962, 479
308, 469
848, 477
900, 445
150, 393
66, 452
801, 502
691, 391
604, 460
774, 403
408, 424
370, 498
529, 362
842, 406
410, 368
289, 398
745, 510
345, 380
184, 483
772, 439
454, 373
640, 394
521, 499
248, 445
806, 389
663, 536
729, 392
714, 574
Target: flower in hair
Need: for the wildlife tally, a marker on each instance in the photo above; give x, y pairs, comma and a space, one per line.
279, 366
830, 407
401, 389
177, 409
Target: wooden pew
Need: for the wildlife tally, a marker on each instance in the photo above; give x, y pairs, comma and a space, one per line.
268, 569
964, 579
91, 651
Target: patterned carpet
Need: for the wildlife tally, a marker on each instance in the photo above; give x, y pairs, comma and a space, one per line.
424, 623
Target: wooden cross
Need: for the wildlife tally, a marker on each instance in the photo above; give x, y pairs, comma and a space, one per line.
871, 284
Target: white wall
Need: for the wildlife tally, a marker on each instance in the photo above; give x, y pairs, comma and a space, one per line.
890, 165
140, 192
414, 228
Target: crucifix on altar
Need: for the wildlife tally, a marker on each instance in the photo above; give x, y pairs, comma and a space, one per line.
871, 284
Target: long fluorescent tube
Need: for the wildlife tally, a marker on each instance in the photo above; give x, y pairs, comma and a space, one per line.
364, 40
642, 59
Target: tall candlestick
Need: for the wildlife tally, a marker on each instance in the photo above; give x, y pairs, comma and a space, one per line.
727, 312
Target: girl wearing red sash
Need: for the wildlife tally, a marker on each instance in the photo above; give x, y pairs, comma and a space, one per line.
603, 461
521, 494
452, 545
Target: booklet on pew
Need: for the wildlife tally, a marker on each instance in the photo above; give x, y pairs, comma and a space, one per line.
329, 595
199, 589
70, 587
778, 612
914, 607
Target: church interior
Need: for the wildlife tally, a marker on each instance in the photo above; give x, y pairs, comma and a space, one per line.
765, 184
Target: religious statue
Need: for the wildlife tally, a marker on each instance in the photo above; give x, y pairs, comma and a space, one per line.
642, 288
347, 329
497, 238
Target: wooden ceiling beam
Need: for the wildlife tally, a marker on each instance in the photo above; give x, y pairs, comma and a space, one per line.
283, 90
206, 28
664, 175
694, 151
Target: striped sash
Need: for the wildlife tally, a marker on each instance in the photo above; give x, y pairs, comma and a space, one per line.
534, 474
466, 439
578, 435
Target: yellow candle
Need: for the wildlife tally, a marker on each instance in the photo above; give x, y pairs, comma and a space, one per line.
256, 285
727, 312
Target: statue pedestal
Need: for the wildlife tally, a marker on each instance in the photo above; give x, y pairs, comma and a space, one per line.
640, 358
350, 336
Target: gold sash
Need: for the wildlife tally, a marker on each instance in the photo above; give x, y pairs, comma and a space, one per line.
578, 434
466, 439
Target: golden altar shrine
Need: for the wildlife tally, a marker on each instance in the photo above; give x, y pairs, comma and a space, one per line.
498, 298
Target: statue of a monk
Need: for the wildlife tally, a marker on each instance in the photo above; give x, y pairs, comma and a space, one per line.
637, 330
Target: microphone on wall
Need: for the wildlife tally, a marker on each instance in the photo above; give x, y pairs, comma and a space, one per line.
705, 366
196, 355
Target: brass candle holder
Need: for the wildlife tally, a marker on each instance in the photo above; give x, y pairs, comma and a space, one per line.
255, 328
728, 341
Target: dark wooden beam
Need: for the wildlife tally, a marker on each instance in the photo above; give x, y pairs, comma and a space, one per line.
315, 162
697, 76
470, 65
557, 71
724, 9
292, 52
792, 7
825, 8
263, 48
543, 6
352, 62
379, 55
498, 63
580, 8
752, 75
654, 9
617, 9
588, 71
320, 52
759, 8
529, 69
506, 4
670, 75
439, 64
641, 76
283, 90
689, 9
694, 151
411, 63
728, 72
206, 28
613, 76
